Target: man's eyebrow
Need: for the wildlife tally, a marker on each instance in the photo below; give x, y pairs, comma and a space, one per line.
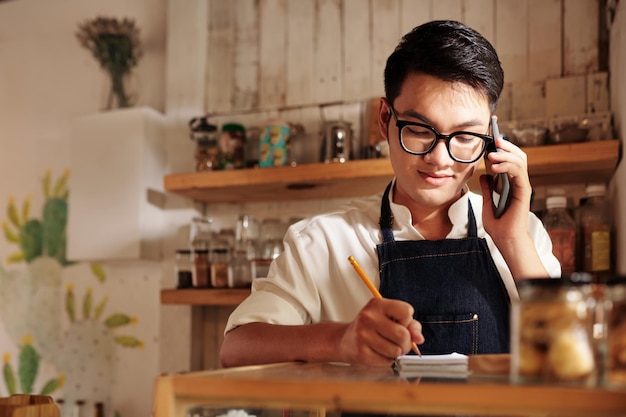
423, 119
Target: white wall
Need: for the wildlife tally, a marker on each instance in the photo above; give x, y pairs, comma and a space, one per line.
46, 80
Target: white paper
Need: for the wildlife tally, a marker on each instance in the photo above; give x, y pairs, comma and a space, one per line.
449, 365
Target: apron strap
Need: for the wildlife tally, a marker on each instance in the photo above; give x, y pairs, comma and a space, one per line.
386, 217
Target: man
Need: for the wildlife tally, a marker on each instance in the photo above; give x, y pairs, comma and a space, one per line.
445, 265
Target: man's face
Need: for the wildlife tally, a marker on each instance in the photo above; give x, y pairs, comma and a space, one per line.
435, 179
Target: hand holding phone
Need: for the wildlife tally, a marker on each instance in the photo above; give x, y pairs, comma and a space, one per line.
503, 202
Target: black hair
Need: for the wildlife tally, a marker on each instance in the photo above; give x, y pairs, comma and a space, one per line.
450, 51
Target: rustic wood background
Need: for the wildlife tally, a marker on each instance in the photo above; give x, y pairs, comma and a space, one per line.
305, 61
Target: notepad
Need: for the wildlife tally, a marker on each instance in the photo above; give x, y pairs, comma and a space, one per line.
453, 365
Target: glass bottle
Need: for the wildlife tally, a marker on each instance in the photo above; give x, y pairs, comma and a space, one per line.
183, 268
595, 229
562, 230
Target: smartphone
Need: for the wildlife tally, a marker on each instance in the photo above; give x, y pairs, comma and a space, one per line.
505, 193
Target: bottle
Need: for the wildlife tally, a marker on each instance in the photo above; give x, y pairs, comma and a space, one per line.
183, 268
562, 230
595, 230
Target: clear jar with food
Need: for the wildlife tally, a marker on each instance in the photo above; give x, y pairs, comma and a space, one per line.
552, 333
616, 332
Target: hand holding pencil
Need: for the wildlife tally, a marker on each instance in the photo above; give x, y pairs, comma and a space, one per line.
374, 291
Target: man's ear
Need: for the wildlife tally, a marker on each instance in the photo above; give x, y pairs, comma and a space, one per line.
384, 116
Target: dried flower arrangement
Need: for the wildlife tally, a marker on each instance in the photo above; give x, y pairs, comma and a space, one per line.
116, 46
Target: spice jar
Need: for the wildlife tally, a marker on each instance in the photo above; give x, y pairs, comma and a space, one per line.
552, 333
183, 268
220, 267
202, 268
616, 333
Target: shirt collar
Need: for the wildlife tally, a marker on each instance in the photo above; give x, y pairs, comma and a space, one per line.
458, 213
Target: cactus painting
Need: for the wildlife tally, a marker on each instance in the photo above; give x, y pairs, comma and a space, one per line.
69, 330
35, 237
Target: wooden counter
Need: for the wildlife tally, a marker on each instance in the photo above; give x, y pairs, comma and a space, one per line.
337, 387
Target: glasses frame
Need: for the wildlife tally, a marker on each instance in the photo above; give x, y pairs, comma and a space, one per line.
400, 124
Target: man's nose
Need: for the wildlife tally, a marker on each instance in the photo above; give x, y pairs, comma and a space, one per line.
439, 155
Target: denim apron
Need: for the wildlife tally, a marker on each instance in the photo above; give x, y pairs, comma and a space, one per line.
453, 285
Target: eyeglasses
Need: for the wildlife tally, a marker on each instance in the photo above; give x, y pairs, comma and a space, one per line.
420, 139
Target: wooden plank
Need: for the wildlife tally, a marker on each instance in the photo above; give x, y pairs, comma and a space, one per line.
448, 9
272, 37
528, 99
413, 13
385, 36
544, 39
556, 164
186, 42
598, 93
356, 50
480, 15
300, 44
512, 38
327, 55
565, 96
580, 34
246, 55
219, 56
204, 297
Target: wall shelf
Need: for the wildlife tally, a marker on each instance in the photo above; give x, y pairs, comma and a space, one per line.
204, 296
547, 165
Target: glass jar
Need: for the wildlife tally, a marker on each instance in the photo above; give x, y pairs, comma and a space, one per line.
616, 333
552, 333
232, 146
220, 267
183, 268
202, 267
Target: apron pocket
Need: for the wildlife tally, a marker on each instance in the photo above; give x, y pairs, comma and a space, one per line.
449, 333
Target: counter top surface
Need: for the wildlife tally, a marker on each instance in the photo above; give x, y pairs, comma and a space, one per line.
334, 386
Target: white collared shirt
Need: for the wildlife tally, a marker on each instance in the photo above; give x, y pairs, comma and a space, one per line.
312, 280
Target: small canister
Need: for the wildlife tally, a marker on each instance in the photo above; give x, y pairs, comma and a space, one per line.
616, 332
552, 333
274, 145
232, 146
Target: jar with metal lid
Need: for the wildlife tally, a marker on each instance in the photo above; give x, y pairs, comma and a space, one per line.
552, 333
616, 332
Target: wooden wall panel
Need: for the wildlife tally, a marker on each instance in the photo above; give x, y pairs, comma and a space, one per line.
448, 9
220, 62
512, 38
580, 34
481, 15
246, 55
300, 28
544, 39
385, 36
413, 13
273, 54
327, 55
356, 51
282, 54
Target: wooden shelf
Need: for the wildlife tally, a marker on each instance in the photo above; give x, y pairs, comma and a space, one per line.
547, 165
204, 297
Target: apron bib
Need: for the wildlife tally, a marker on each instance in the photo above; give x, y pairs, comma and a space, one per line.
453, 285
